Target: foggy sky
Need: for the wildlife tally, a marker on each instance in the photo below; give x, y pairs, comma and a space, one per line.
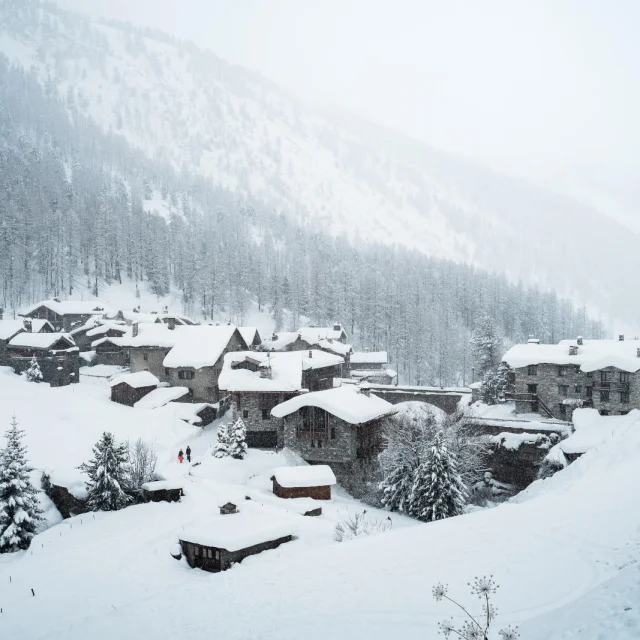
546, 89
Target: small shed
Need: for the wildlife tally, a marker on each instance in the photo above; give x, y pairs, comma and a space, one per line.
162, 491
131, 387
310, 481
224, 541
228, 508
68, 492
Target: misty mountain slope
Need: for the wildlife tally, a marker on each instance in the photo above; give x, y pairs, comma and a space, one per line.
189, 108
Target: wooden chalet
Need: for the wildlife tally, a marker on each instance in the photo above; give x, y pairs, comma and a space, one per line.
130, 387
110, 351
259, 381
228, 539
162, 491
66, 315
56, 353
309, 481
11, 328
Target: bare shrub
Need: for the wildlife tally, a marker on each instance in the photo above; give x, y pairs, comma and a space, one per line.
360, 524
143, 460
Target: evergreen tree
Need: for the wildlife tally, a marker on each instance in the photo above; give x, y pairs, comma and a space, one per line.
222, 447
485, 345
20, 512
438, 491
395, 489
238, 439
33, 373
109, 481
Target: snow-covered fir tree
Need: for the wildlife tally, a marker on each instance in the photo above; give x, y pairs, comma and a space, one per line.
222, 448
33, 373
238, 439
486, 345
109, 487
395, 489
20, 511
438, 491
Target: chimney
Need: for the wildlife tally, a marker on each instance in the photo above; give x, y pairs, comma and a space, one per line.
56, 299
171, 323
1, 313
573, 349
580, 341
135, 328
28, 326
365, 389
310, 353
274, 336
621, 337
533, 341
337, 327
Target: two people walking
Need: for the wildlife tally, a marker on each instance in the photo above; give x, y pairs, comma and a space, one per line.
181, 454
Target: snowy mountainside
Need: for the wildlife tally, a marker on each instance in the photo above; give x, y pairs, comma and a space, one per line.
187, 107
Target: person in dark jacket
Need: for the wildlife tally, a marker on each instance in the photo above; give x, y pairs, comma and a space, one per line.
188, 453
180, 456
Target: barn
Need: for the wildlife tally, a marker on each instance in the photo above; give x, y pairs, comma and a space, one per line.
309, 481
228, 539
162, 491
131, 387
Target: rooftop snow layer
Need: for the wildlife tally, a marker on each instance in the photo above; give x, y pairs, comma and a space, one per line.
73, 480
136, 380
160, 397
73, 307
162, 485
248, 334
346, 402
107, 326
592, 429
37, 325
9, 328
237, 531
311, 334
286, 369
369, 357
590, 356
316, 475
199, 346
152, 335
40, 340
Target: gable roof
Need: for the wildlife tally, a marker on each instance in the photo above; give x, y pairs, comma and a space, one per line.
9, 328
286, 369
152, 335
347, 402
201, 346
322, 333
41, 340
249, 334
313, 475
592, 355
285, 338
136, 380
369, 357
74, 307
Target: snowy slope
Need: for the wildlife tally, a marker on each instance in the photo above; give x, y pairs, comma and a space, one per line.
112, 576
192, 110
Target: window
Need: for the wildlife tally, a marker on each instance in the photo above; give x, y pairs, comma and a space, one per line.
238, 403
267, 402
604, 396
186, 374
562, 410
563, 390
624, 397
578, 388
606, 377
333, 433
532, 370
319, 444
315, 425
196, 550
624, 377
167, 372
589, 392
532, 388
217, 554
266, 414
562, 371
245, 413
589, 374
604, 412
145, 356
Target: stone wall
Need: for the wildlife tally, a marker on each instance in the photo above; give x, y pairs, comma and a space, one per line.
249, 405
153, 362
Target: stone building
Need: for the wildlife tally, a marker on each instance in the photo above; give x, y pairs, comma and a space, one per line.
553, 379
336, 426
196, 359
371, 366
66, 315
259, 381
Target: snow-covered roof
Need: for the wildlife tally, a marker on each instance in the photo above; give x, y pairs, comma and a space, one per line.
178, 318
237, 531
152, 335
72, 307
40, 340
37, 325
369, 357
592, 429
9, 328
136, 380
199, 346
160, 397
248, 334
286, 369
315, 475
281, 340
372, 373
107, 326
590, 356
188, 411
348, 402
335, 346
311, 334
73, 480
162, 485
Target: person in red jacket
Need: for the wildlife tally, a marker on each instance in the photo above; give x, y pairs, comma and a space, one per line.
180, 456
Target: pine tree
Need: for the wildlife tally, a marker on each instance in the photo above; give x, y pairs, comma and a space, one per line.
438, 491
20, 512
222, 448
109, 483
238, 439
33, 373
395, 489
485, 345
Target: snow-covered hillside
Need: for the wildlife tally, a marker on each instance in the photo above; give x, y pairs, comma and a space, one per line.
552, 550
187, 107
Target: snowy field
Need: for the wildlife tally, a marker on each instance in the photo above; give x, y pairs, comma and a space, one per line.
555, 550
